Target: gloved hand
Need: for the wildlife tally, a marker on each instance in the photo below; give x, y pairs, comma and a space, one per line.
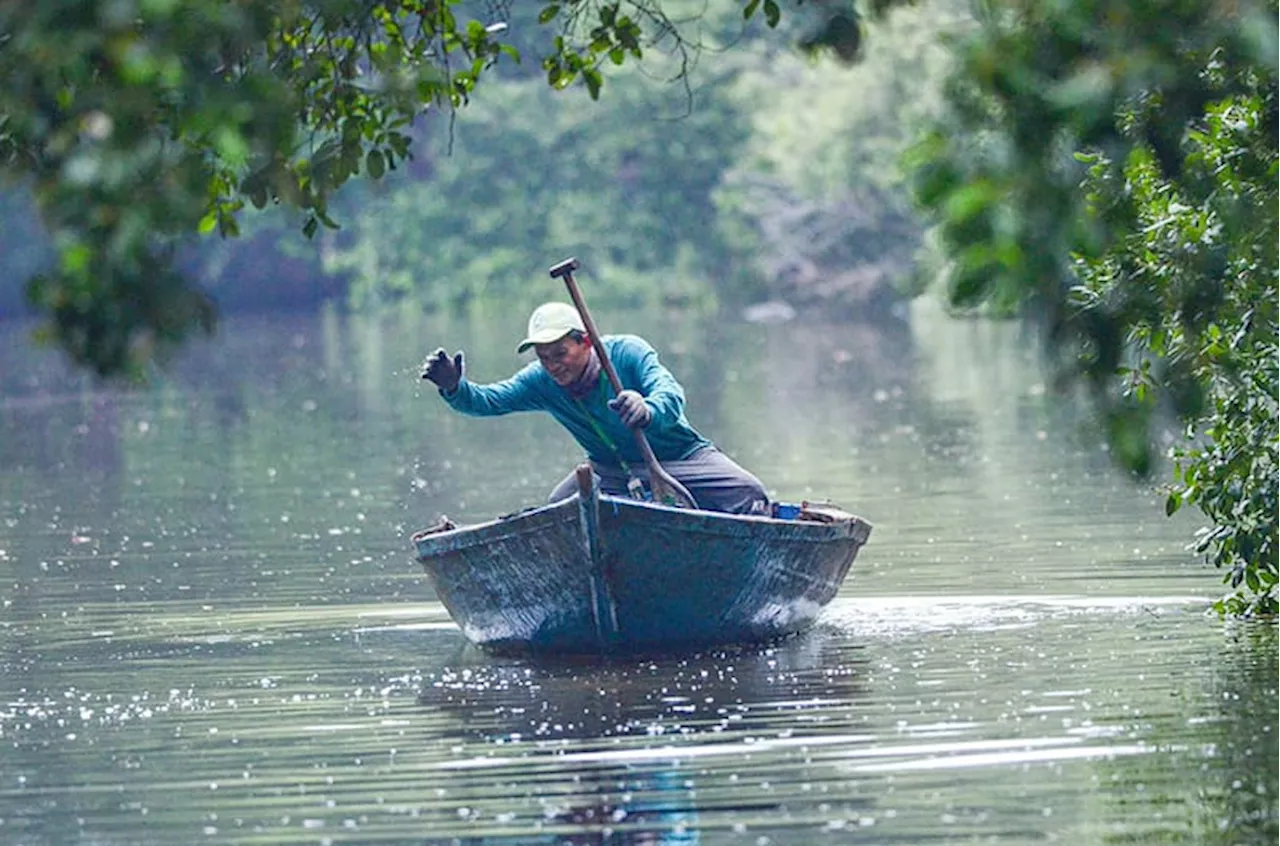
632, 409
445, 373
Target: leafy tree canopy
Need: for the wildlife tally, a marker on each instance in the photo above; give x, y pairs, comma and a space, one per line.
1110, 166
135, 122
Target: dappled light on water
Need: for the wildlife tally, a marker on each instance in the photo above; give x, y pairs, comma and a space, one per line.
213, 629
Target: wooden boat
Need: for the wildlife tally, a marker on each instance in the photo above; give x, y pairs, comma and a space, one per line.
599, 574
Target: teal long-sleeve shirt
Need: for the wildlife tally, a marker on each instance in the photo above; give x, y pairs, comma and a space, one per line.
638, 368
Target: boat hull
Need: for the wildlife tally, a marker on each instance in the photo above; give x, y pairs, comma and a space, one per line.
598, 574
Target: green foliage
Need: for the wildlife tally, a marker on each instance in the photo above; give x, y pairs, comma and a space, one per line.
137, 123
1198, 273
641, 185
821, 189
1111, 168
625, 184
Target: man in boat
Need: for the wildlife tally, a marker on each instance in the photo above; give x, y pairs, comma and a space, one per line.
567, 380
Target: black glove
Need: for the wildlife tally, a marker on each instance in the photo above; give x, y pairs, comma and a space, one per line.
445, 373
632, 409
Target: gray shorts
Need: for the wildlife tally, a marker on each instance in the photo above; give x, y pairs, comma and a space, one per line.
716, 481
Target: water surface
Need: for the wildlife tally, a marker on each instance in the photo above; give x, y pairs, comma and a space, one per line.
213, 630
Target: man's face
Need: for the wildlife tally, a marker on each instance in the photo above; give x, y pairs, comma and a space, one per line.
564, 359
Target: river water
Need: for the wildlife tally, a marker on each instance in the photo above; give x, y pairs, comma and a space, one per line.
213, 630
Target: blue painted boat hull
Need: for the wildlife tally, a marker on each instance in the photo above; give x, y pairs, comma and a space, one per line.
597, 574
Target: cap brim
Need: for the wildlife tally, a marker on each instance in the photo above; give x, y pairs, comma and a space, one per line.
549, 336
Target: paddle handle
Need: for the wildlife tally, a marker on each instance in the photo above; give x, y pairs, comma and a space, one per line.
662, 482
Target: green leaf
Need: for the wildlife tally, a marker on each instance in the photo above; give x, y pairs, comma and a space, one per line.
75, 258
592, 77
750, 9
209, 222
309, 228
970, 201
376, 164
970, 283
548, 13
772, 14
400, 143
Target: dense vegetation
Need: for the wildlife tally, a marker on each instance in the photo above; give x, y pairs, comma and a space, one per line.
135, 123
1111, 166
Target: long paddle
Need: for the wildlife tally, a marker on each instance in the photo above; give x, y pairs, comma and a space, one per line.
664, 485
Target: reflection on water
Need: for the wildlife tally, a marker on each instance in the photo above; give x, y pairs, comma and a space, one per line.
640, 737
212, 630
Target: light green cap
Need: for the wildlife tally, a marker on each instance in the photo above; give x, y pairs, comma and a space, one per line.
549, 323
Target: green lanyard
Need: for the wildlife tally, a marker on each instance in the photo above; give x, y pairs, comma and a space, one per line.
634, 486
599, 430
